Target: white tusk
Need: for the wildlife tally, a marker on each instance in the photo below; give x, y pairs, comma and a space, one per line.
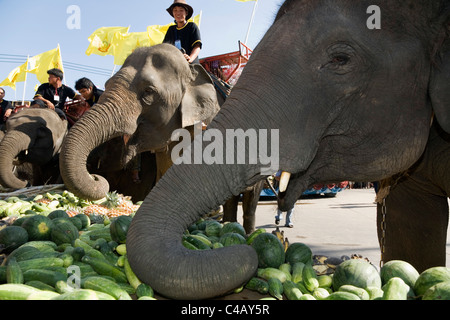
284, 180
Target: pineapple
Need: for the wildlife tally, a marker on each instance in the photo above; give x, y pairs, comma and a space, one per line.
114, 205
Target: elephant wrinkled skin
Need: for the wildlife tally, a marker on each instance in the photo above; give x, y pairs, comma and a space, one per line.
350, 103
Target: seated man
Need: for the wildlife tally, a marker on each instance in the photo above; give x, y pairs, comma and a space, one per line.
88, 90
5, 109
54, 93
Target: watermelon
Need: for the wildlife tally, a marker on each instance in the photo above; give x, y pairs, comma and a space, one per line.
429, 278
213, 228
269, 249
235, 227
12, 237
119, 228
439, 291
38, 227
401, 269
298, 252
58, 213
356, 272
63, 231
231, 239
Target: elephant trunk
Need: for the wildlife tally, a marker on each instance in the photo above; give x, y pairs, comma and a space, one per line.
97, 126
184, 194
11, 145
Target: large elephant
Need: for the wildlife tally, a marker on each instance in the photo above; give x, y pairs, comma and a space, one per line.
350, 101
33, 138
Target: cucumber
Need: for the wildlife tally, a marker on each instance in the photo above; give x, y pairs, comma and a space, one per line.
14, 272
342, 295
16, 291
188, 245
297, 270
88, 249
360, 292
395, 289
84, 294
121, 249
291, 291
103, 267
307, 296
131, 277
374, 292
325, 281
276, 288
258, 285
310, 277
254, 234
302, 287
43, 245
47, 276
40, 263
144, 290
286, 268
199, 244
40, 285
269, 272
107, 286
24, 253
320, 293
43, 295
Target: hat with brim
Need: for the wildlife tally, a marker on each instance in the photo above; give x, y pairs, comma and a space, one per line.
181, 3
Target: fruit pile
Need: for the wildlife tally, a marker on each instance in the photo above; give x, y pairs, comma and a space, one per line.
291, 271
56, 246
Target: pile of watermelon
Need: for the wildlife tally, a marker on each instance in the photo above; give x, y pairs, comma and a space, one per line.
289, 271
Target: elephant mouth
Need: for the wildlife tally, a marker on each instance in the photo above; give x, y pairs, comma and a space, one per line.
291, 188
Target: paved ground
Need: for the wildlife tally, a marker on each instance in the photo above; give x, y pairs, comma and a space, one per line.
343, 225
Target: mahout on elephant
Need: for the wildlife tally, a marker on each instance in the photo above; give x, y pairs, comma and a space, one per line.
154, 94
350, 103
29, 150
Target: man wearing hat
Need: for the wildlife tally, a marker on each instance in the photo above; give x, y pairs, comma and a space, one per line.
184, 35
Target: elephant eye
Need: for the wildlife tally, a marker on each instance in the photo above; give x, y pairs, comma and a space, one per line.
148, 95
340, 60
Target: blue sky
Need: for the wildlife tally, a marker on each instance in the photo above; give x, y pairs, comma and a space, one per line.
32, 27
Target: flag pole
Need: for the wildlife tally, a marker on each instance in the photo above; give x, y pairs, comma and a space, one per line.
251, 21
64, 78
114, 69
25, 82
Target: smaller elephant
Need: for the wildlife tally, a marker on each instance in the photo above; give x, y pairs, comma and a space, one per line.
33, 137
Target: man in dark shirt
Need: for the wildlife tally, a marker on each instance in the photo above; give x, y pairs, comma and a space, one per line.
88, 90
6, 109
54, 93
184, 35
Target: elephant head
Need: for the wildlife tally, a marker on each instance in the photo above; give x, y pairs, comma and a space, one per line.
33, 135
154, 93
349, 102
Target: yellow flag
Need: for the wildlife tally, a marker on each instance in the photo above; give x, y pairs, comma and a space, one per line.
40, 63
16, 75
101, 40
157, 33
124, 44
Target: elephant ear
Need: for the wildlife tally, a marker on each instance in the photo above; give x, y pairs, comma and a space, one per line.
440, 86
199, 102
